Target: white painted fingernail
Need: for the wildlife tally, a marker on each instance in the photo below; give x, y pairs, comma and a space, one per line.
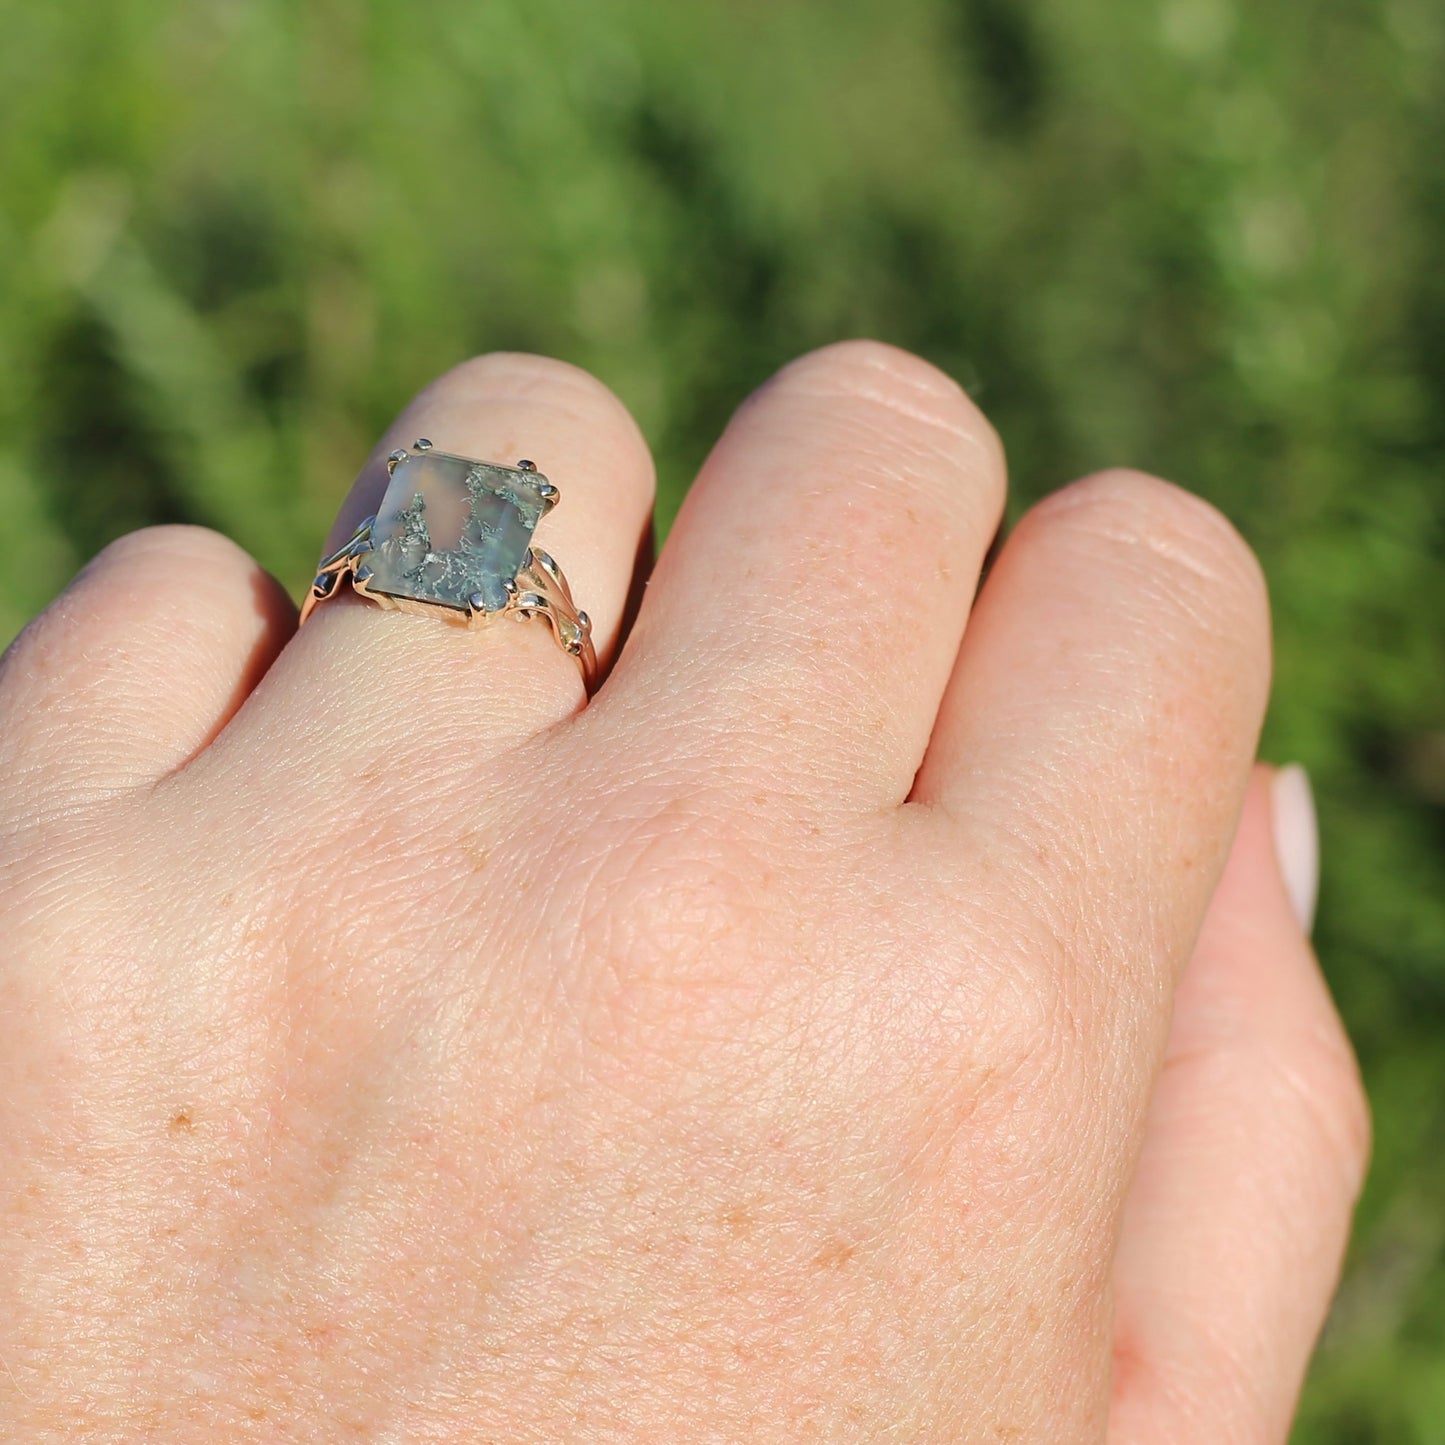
1297, 840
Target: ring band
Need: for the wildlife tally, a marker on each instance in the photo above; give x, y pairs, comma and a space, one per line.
452, 539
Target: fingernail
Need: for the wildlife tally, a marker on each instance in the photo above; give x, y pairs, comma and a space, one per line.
1297, 840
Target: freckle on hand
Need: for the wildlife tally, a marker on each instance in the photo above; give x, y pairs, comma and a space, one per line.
834, 1255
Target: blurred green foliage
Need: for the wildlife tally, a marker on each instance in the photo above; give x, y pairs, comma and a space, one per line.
1202, 237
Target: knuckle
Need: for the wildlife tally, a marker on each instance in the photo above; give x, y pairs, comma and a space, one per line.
167, 547
1004, 1031
864, 361
1003, 1088
901, 385
1323, 1078
997, 962
526, 376
1047, 1049
670, 935
149, 569
136, 577
1162, 523
513, 379
1189, 575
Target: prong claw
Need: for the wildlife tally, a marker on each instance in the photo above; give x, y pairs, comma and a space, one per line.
421, 444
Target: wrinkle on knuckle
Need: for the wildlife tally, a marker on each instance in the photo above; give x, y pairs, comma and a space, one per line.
892, 384
524, 376
1302, 1095
1320, 1075
173, 544
1165, 529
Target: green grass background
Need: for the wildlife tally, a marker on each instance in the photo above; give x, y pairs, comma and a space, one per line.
1202, 237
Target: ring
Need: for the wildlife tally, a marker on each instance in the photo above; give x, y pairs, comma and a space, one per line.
453, 539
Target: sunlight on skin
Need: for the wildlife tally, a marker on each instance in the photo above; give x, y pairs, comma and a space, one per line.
401, 1048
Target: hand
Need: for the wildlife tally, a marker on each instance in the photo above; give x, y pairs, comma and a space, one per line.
396, 1049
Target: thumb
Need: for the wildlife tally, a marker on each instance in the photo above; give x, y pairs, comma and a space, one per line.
1253, 1156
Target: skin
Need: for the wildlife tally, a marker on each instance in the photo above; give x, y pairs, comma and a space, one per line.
877, 1015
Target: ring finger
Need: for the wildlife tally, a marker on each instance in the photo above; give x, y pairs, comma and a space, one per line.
360, 680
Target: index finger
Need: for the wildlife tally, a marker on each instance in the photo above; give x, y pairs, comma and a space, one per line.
1097, 734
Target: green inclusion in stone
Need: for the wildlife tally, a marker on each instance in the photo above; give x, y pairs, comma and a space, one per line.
449, 528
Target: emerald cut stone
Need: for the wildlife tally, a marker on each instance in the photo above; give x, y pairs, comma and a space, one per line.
453, 531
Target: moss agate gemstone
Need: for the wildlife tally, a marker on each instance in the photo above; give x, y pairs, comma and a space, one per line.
450, 529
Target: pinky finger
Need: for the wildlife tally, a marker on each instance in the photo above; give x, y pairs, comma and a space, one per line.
134, 668
1253, 1157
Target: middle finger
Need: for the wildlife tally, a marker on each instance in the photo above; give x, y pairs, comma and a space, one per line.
808, 606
